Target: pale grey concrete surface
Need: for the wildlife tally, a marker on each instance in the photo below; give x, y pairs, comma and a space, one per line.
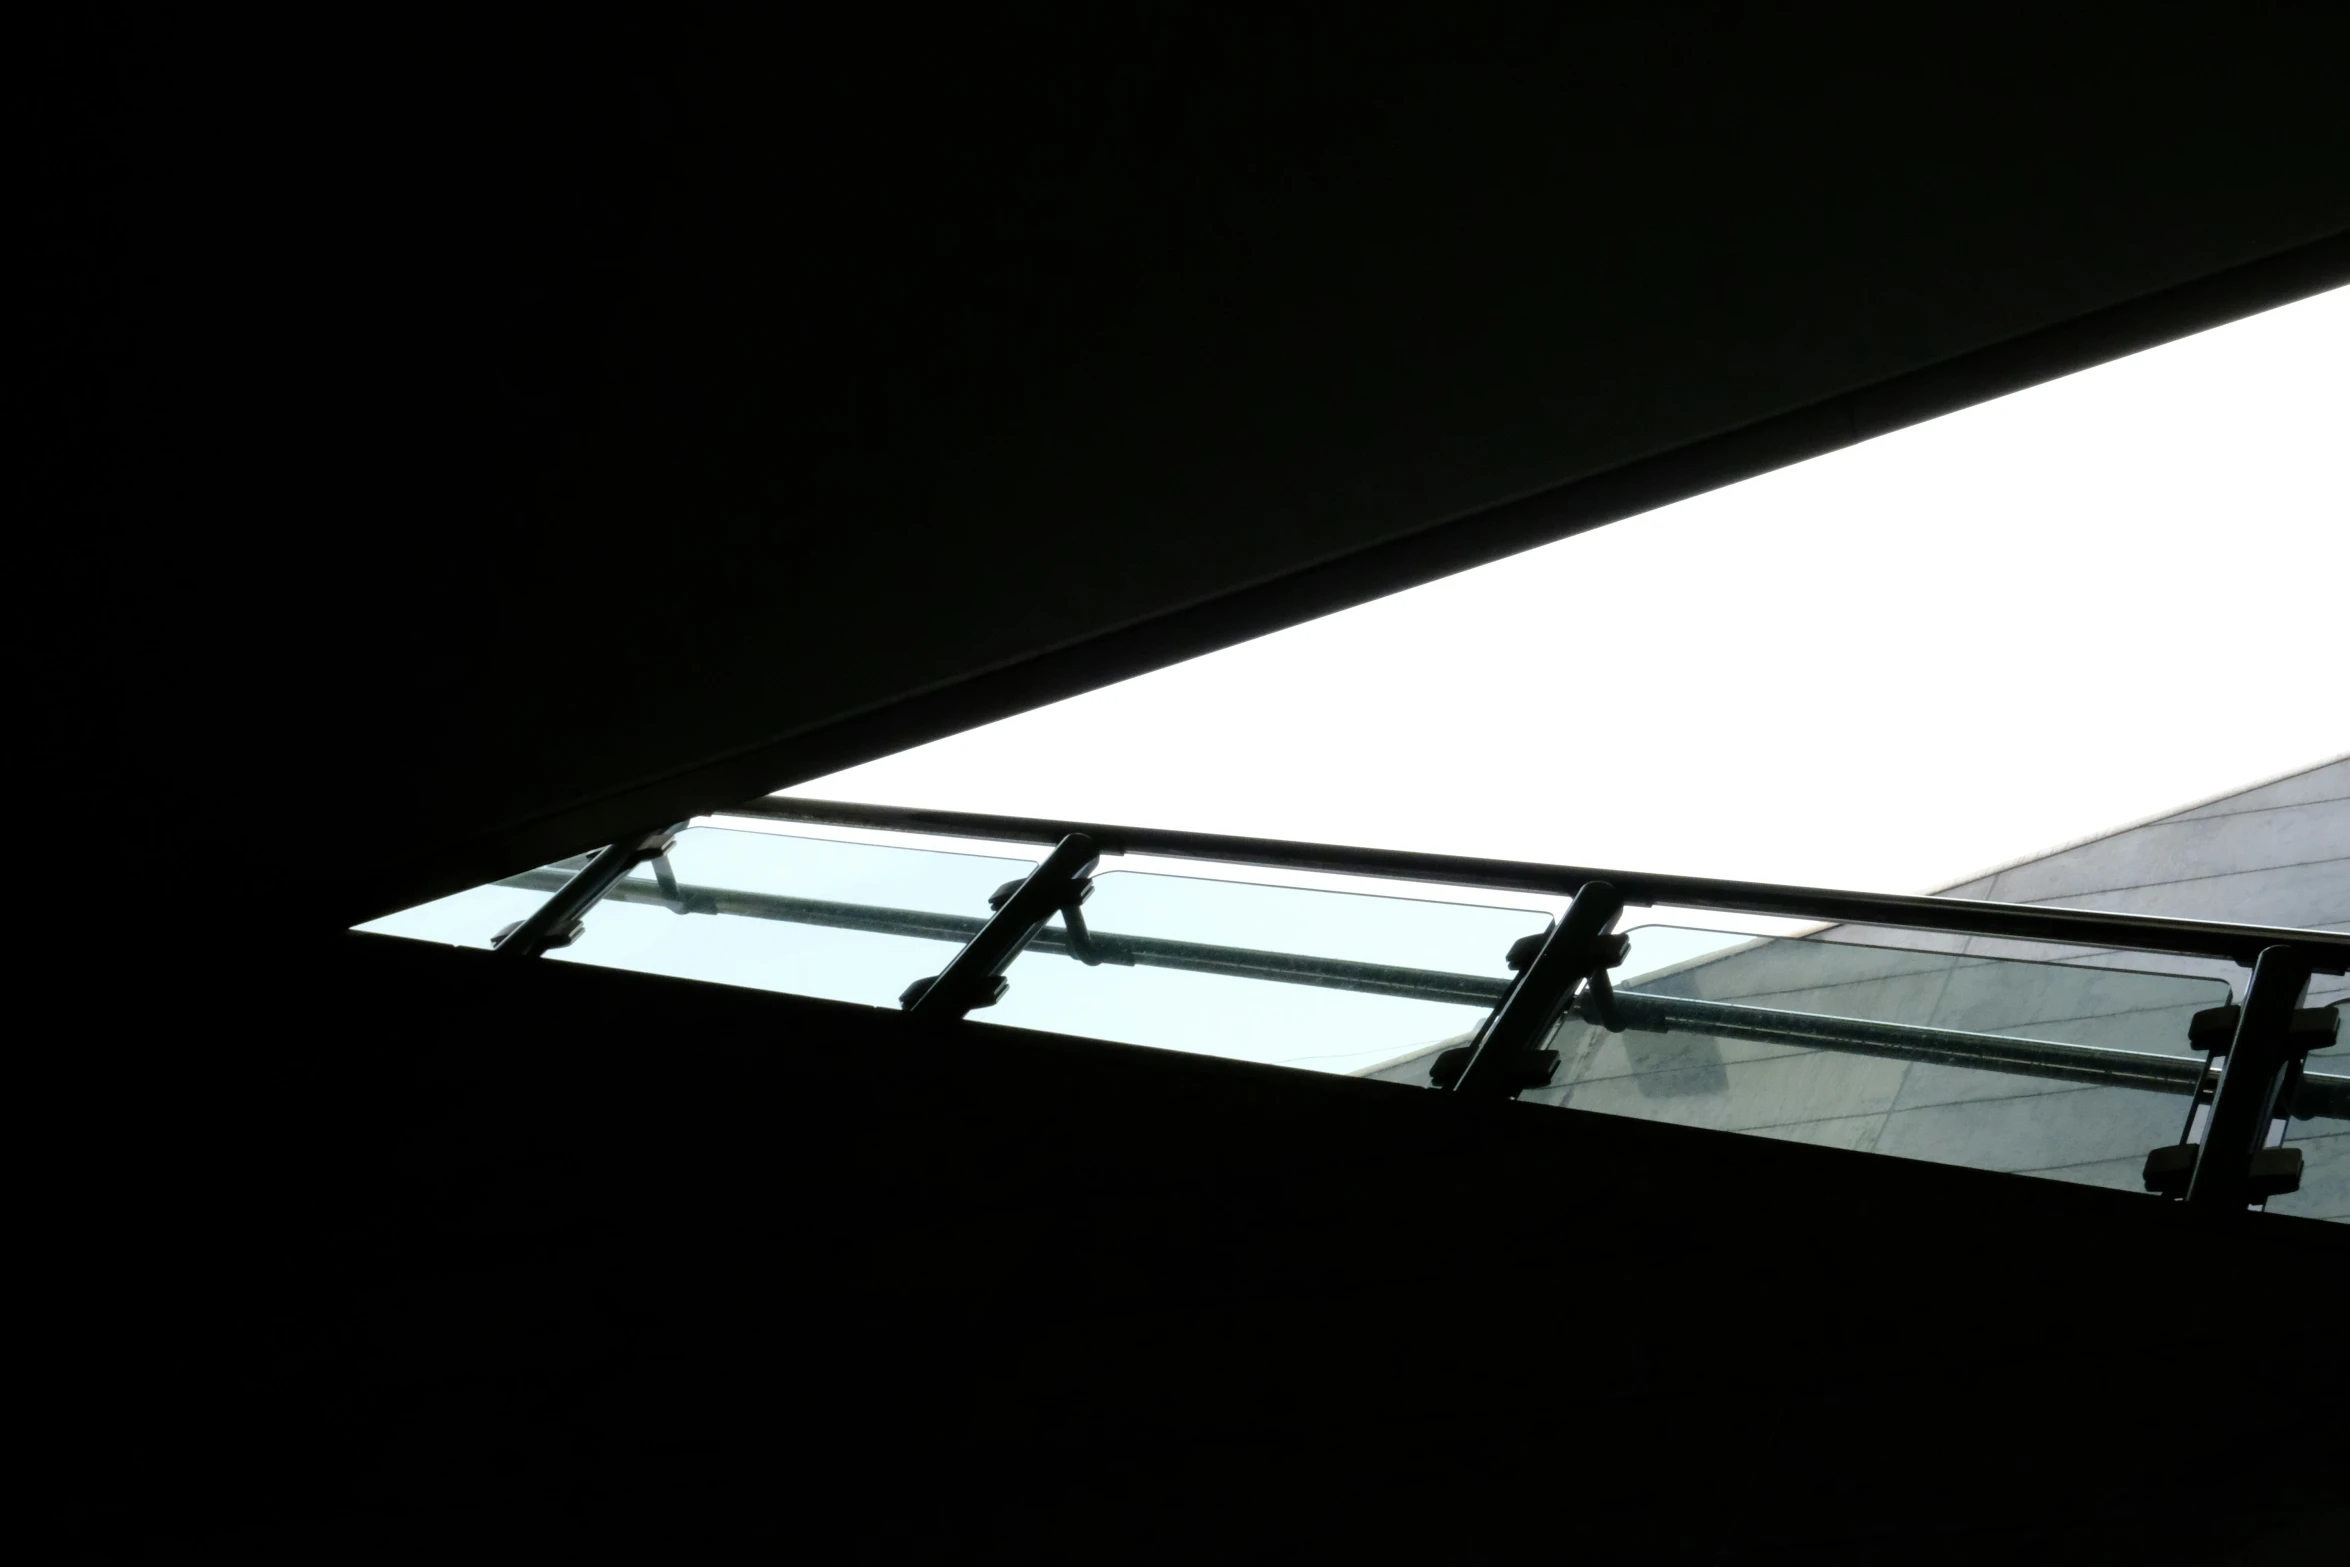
2276, 854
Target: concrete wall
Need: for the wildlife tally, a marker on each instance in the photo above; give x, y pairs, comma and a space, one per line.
2275, 854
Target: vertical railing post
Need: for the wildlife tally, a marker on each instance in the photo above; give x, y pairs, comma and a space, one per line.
1505, 1059
974, 977
2251, 1079
555, 922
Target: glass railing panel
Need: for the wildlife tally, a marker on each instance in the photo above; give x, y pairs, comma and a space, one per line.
476, 916
2067, 1071
1304, 977
2320, 1128
812, 916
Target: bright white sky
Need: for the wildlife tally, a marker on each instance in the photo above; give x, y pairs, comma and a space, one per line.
1888, 668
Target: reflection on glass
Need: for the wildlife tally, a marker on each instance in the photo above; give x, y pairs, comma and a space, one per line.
844, 921
474, 917
2320, 1128
1331, 981
2036, 1068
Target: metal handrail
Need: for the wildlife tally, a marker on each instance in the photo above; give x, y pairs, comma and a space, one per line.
1195, 957
2328, 952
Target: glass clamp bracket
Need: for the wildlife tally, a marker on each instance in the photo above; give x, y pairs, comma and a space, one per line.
562, 919
975, 977
1558, 960
2271, 1171
1081, 946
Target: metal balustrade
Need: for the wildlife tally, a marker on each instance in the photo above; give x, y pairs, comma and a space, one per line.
1853, 1041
